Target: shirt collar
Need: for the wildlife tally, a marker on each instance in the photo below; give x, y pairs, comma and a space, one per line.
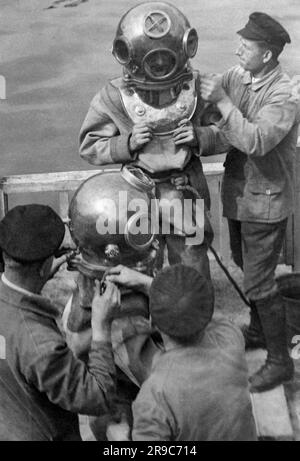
247, 78
15, 287
24, 299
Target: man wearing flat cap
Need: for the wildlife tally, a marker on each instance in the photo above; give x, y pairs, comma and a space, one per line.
258, 129
197, 388
42, 385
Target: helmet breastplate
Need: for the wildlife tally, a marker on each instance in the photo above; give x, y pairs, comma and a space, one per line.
161, 120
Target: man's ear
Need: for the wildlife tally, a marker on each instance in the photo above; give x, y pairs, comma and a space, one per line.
45, 268
267, 56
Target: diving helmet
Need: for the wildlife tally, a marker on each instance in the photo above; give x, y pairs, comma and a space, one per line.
110, 221
154, 42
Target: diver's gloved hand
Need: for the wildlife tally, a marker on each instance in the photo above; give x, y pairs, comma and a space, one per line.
141, 135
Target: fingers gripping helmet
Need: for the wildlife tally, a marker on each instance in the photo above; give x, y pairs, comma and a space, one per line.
154, 42
110, 221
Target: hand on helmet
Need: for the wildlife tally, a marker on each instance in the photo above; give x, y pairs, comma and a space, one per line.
103, 309
185, 134
129, 278
141, 135
57, 263
211, 88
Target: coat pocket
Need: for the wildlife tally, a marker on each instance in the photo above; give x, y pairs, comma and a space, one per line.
264, 200
263, 188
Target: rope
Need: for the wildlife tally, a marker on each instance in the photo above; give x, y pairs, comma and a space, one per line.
217, 258
228, 275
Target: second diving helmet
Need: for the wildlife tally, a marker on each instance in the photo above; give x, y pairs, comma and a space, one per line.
110, 221
154, 42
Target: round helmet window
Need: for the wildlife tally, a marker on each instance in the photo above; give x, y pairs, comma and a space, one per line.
121, 50
159, 64
190, 42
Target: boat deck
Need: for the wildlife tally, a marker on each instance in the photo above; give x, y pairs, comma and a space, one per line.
277, 412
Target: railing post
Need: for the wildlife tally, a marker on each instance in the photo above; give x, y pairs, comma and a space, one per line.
63, 205
3, 204
296, 233
288, 246
63, 198
223, 228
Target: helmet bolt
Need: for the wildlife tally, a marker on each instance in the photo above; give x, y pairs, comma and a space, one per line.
181, 106
112, 252
140, 111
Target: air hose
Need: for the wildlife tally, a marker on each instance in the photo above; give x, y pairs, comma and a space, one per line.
229, 276
217, 258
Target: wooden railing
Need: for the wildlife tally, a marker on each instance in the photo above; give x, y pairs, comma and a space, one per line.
63, 183
295, 227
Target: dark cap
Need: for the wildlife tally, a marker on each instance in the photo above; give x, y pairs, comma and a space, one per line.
181, 301
31, 233
262, 27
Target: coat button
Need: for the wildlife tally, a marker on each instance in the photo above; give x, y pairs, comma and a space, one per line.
268, 191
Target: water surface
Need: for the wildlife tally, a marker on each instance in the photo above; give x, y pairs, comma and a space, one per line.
54, 61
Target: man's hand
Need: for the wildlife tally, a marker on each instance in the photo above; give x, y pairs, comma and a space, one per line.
211, 88
185, 133
103, 309
141, 135
129, 278
118, 432
56, 264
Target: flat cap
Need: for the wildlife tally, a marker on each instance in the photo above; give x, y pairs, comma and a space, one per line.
31, 233
263, 27
181, 301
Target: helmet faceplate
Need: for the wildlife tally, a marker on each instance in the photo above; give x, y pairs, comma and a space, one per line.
154, 42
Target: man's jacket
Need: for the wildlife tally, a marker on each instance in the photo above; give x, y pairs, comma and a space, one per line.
197, 392
260, 135
42, 385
